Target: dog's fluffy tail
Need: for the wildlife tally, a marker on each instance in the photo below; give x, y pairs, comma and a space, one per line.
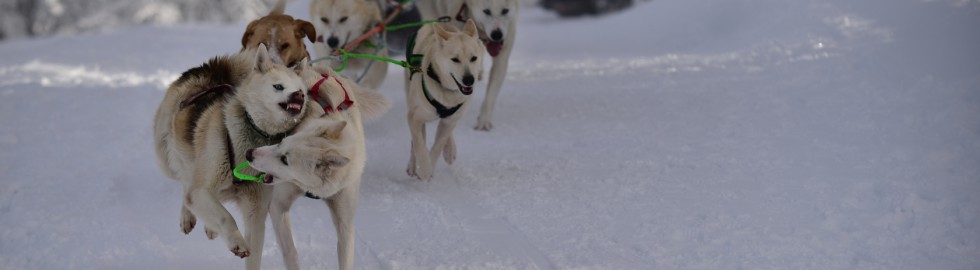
372, 103
279, 8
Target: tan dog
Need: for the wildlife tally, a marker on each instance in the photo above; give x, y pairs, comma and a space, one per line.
451, 62
497, 22
207, 120
281, 33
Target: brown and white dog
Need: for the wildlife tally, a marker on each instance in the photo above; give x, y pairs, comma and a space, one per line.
280, 32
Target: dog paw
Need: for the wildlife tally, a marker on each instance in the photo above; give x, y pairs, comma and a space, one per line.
237, 246
449, 152
240, 251
187, 223
483, 125
210, 233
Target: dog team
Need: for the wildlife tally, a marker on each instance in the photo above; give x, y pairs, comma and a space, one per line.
298, 123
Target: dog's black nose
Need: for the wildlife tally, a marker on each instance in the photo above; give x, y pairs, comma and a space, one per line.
248, 155
468, 80
297, 95
496, 35
333, 42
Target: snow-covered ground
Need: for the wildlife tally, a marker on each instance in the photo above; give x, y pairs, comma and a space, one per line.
738, 134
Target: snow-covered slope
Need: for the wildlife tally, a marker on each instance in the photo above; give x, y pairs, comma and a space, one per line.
744, 134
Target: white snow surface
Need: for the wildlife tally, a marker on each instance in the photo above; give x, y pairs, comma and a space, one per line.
737, 134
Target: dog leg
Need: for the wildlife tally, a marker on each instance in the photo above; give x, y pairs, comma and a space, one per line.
187, 220
449, 151
283, 197
204, 204
444, 134
419, 165
498, 72
343, 205
255, 209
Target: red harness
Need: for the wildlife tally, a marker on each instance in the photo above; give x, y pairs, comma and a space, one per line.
324, 102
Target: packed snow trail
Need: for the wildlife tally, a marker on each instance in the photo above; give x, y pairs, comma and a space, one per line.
746, 134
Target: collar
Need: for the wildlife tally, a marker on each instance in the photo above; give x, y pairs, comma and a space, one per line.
324, 102
461, 14
440, 109
271, 137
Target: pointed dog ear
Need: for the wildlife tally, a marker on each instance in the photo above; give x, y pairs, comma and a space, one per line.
442, 32
262, 61
470, 28
332, 131
304, 28
249, 30
329, 162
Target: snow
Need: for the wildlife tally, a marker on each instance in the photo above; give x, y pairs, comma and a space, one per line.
745, 134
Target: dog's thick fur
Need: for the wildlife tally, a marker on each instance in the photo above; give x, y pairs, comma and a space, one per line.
326, 158
340, 22
451, 60
192, 137
497, 21
281, 32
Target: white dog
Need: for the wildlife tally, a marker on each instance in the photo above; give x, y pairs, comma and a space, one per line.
450, 62
201, 129
325, 158
497, 21
340, 22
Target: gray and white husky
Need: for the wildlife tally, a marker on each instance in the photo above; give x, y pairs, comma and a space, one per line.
207, 120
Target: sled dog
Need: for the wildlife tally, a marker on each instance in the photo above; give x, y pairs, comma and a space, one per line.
282, 32
207, 120
449, 63
497, 21
340, 22
325, 158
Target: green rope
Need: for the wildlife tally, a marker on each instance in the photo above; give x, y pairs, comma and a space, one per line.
345, 55
245, 177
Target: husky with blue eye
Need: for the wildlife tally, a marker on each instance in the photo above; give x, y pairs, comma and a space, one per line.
497, 24
206, 121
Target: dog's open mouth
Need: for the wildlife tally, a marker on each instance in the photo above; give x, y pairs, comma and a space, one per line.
494, 47
293, 106
268, 179
466, 90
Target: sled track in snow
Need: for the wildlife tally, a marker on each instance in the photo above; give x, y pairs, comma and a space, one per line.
496, 233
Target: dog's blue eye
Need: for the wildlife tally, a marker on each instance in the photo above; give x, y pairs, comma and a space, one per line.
283, 159
504, 12
486, 11
455, 59
343, 19
473, 59
277, 86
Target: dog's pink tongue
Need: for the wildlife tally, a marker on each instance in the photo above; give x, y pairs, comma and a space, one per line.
493, 47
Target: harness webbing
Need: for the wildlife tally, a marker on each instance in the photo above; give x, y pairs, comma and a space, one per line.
415, 60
